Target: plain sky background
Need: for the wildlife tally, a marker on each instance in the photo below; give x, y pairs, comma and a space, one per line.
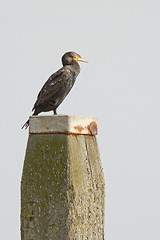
121, 85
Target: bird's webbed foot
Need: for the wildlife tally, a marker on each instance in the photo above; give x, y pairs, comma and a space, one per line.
55, 111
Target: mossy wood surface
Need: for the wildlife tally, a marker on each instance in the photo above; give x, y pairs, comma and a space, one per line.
62, 189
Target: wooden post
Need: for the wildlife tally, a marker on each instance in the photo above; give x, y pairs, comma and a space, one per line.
62, 188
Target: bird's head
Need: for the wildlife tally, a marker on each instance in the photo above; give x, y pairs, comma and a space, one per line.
70, 57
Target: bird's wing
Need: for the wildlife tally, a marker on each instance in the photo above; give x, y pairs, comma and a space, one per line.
51, 86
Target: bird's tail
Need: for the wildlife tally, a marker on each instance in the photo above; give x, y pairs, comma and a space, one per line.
26, 125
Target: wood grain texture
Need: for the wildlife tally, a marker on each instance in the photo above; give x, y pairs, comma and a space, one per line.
62, 188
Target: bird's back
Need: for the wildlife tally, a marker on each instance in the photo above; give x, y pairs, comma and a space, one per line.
55, 89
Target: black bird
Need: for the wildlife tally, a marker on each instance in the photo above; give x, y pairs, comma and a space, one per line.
58, 85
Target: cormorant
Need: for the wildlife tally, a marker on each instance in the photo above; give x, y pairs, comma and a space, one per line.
58, 85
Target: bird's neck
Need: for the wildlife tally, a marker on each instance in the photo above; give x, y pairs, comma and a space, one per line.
76, 65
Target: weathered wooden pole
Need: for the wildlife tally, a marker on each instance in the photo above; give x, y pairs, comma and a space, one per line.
62, 188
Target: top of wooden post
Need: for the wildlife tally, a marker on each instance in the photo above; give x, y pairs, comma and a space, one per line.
63, 124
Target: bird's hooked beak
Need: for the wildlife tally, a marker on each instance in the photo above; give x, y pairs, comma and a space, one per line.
78, 59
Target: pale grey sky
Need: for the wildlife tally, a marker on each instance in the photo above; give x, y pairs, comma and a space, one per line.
120, 86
